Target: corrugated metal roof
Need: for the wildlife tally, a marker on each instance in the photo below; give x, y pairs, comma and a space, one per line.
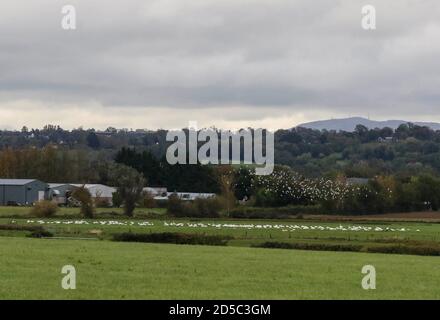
15, 182
97, 190
56, 185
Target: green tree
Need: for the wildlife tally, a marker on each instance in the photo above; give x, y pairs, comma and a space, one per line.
83, 196
129, 184
429, 192
93, 141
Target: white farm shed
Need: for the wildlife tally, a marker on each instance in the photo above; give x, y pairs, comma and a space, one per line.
99, 191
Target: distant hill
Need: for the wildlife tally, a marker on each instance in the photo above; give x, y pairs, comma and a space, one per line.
349, 124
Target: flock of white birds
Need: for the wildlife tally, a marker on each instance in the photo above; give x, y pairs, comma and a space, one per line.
219, 225
290, 185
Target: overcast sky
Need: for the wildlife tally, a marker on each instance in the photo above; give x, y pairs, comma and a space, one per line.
228, 63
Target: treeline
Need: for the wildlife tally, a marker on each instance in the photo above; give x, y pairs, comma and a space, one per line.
54, 164
158, 173
130, 169
286, 187
382, 194
51, 164
406, 151
389, 194
91, 139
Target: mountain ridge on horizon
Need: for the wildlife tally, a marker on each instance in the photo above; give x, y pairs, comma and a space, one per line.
349, 124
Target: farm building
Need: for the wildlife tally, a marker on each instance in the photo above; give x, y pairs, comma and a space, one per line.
22, 191
60, 192
156, 192
191, 195
99, 192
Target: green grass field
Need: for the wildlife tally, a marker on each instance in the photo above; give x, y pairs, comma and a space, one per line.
262, 230
31, 268
74, 212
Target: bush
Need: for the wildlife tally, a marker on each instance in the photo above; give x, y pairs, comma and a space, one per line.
116, 199
266, 198
40, 233
199, 208
102, 203
175, 206
148, 200
169, 237
421, 250
17, 227
162, 203
36, 231
207, 207
44, 209
310, 246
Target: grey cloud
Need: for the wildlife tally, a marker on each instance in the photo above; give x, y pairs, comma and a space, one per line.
292, 55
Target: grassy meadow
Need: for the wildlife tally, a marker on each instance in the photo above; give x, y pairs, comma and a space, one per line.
30, 268
71, 212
